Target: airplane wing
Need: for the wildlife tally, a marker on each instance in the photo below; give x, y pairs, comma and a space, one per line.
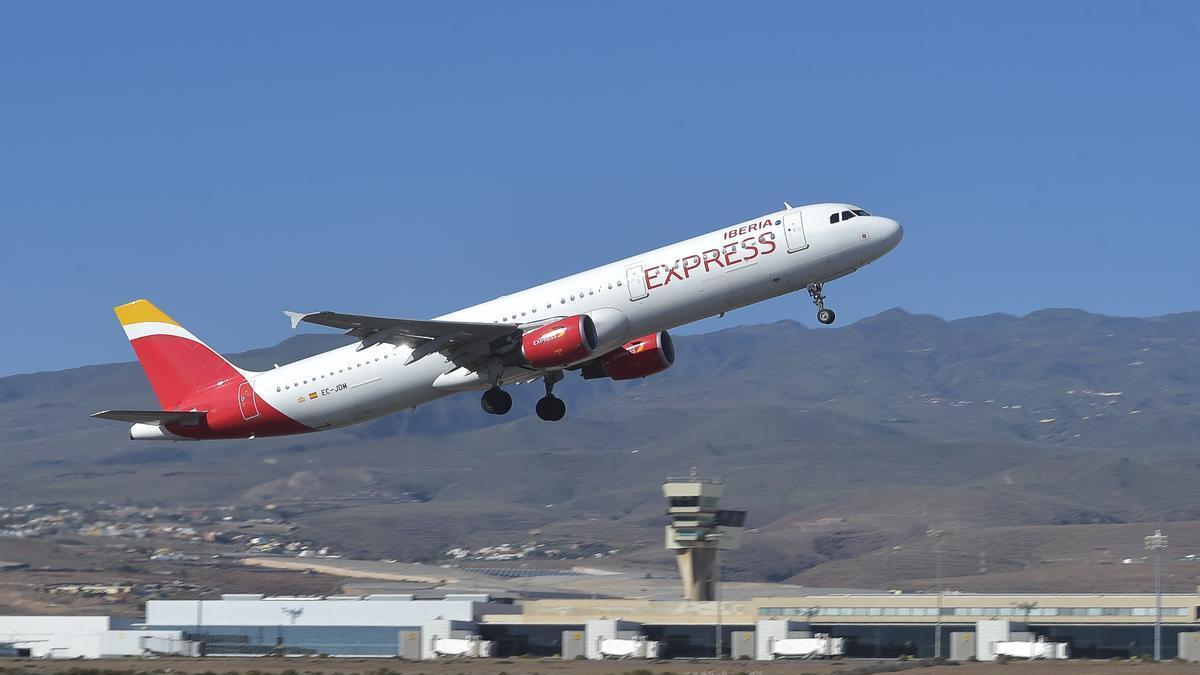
152, 416
434, 336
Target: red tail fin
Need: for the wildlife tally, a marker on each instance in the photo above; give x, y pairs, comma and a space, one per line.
177, 364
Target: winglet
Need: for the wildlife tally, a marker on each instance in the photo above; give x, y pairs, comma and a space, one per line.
296, 317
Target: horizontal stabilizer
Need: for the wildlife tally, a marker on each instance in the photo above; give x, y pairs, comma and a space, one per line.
159, 417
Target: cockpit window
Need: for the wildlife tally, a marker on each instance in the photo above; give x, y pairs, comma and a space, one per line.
847, 215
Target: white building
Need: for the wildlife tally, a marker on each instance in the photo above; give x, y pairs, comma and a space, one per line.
247, 609
89, 637
346, 625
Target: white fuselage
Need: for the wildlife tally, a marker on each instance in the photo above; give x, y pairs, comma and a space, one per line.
705, 276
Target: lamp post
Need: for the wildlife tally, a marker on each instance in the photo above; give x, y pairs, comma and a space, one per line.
1156, 543
937, 630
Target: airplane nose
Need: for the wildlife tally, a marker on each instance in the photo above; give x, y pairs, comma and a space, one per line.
889, 232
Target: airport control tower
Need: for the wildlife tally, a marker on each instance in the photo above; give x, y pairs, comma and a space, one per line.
698, 530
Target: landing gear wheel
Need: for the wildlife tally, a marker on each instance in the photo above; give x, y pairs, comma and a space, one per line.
496, 401
551, 408
817, 293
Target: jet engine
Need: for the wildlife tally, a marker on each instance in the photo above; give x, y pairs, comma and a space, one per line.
644, 356
560, 343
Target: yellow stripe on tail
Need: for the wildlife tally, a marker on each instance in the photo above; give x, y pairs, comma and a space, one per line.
141, 311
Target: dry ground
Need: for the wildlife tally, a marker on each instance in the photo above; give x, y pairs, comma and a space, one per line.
89, 560
332, 666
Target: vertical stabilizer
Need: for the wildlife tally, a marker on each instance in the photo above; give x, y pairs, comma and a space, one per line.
177, 364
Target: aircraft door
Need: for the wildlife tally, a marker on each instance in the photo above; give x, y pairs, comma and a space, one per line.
793, 232
635, 281
247, 401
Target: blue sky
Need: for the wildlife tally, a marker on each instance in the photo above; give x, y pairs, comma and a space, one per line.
230, 160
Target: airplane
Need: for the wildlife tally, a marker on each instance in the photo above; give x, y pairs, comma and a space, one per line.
608, 322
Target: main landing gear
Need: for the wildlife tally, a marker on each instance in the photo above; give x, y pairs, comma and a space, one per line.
824, 315
550, 407
496, 401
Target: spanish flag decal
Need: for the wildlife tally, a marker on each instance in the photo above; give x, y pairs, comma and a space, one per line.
312, 395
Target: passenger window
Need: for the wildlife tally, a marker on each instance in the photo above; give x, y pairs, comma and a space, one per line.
846, 215
834, 218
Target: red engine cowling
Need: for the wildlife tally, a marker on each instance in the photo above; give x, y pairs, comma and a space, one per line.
560, 343
644, 356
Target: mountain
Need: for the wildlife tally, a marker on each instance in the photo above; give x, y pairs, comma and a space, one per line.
843, 443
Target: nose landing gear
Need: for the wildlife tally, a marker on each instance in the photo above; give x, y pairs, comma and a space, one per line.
824, 315
550, 407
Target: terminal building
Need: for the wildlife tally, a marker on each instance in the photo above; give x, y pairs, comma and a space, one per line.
875, 625
1096, 626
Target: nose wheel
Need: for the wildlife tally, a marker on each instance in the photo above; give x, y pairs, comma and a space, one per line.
824, 315
496, 401
550, 407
